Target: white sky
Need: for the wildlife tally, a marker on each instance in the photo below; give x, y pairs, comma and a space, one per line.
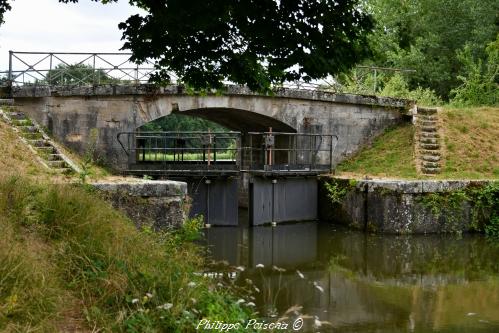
47, 25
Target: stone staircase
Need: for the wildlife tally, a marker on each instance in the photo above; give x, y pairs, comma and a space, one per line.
428, 141
47, 152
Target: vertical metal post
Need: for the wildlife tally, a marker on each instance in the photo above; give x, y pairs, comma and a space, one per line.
50, 70
207, 182
137, 74
93, 73
250, 150
273, 222
10, 68
375, 79
331, 154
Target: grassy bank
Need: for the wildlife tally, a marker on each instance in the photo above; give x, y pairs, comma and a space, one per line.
471, 150
70, 262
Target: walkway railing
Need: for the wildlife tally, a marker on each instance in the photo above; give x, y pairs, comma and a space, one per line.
280, 152
70, 68
222, 152
182, 152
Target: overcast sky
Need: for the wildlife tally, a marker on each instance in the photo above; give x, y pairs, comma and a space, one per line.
47, 25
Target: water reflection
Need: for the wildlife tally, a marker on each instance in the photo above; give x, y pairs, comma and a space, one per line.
364, 283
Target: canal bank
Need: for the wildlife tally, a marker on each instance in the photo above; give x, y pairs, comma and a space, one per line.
409, 206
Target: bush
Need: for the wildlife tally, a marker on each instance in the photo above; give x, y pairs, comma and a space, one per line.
398, 87
480, 85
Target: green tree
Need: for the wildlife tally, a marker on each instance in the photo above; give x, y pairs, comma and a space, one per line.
4, 7
426, 35
480, 84
252, 42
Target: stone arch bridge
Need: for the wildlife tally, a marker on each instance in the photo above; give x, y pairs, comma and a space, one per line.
71, 113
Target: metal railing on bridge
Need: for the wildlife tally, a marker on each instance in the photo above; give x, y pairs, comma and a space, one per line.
287, 153
187, 153
74, 69
182, 152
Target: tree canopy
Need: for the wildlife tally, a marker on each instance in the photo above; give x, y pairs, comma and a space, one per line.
252, 42
428, 35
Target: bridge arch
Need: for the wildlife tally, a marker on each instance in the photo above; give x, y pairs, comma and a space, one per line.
235, 119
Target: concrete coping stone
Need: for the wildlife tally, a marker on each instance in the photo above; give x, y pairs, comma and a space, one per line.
147, 89
419, 186
145, 188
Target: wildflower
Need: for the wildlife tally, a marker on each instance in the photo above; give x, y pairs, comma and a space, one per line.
240, 268
149, 295
300, 274
316, 285
166, 306
239, 301
250, 304
256, 289
260, 266
135, 300
275, 268
191, 284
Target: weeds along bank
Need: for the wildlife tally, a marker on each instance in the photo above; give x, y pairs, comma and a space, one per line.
69, 262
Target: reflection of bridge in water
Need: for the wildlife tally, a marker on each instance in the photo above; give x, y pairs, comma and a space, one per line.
368, 283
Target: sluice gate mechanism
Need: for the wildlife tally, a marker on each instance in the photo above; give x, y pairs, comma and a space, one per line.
273, 174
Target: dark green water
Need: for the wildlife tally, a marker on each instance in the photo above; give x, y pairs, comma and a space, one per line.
347, 281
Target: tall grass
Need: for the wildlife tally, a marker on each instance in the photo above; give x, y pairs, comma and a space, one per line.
124, 279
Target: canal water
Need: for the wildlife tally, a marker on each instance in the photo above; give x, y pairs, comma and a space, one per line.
345, 281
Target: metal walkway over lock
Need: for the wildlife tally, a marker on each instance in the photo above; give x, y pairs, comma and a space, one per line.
277, 170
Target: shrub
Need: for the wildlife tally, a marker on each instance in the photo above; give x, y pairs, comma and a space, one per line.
480, 84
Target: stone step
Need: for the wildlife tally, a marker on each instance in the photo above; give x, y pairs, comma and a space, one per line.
431, 158
65, 171
429, 135
431, 165
428, 140
427, 118
425, 152
28, 128
53, 157
19, 116
32, 136
430, 146
46, 150
6, 101
39, 143
426, 123
427, 111
57, 164
431, 171
428, 129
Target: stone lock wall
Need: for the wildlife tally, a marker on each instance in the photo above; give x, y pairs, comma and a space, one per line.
402, 207
156, 204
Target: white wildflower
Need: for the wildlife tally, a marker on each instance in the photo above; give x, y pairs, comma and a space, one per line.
240, 268
300, 274
149, 295
260, 266
239, 301
316, 285
250, 304
191, 284
135, 301
166, 306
